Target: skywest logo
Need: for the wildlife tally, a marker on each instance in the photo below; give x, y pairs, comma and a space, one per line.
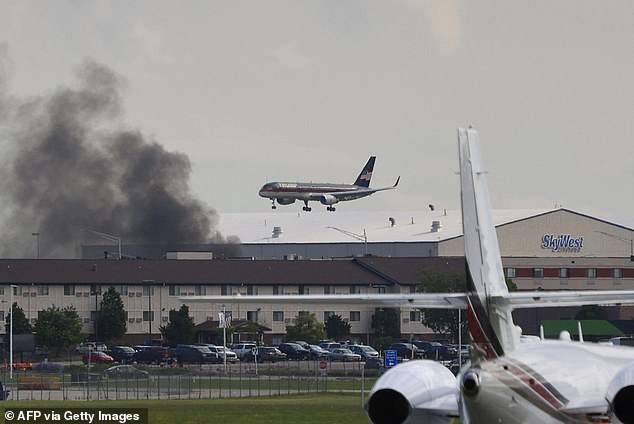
562, 243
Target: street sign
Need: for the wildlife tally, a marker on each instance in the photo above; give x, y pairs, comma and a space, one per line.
390, 358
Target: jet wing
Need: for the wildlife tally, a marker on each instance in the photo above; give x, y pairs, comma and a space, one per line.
426, 300
351, 194
545, 299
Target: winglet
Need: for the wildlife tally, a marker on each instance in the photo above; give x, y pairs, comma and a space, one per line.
397, 180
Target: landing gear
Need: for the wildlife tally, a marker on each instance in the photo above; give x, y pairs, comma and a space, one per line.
330, 208
273, 204
306, 208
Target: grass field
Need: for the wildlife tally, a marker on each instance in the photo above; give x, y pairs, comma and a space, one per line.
312, 408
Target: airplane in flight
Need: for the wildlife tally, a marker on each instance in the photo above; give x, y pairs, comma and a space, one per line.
328, 194
507, 380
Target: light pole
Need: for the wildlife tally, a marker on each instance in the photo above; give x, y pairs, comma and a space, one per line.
37, 236
11, 334
106, 236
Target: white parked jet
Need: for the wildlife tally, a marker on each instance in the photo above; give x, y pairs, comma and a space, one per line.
506, 381
328, 194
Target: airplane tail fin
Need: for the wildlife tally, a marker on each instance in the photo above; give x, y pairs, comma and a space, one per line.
490, 321
363, 180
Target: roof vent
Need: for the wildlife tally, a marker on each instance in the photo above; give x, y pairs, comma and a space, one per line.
277, 232
435, 226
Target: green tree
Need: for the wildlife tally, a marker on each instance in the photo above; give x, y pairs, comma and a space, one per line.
387, 328
306, 328
21, 324
111, 320
443, 321
180, 328
337, 328
58, 328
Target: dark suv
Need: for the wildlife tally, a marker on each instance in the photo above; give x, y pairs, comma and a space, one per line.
407, 351
294, 351
122, 354
191, 354
151, 354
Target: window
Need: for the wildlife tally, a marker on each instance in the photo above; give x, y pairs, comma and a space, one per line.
380, 289
200, 290
591, 273
42, 290
174, 290
252, 290
414, 316
412, 288
69, 290
122, 290
355, 289
95, 289
93, 316
617, 272
329, 290
328, 314
538, 272
303, 290
278, 316
148, 291
1, 290
564, 272
225, 290
510, 272
355, 316
17, 291
148, 315
252, 316
1, 315
277, 290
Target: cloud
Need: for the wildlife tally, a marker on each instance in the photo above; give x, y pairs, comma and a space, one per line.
289, 57
442, 20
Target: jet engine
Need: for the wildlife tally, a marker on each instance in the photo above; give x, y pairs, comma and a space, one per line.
328, 199
620, 395
420, 390
285, 200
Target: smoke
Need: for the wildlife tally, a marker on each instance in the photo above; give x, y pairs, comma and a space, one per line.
68, 167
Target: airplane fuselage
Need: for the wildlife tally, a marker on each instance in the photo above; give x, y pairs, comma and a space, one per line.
542, 382
282, 191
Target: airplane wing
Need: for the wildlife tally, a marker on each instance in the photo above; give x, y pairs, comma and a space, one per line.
545, 299
427, 300
350, 194
517, 300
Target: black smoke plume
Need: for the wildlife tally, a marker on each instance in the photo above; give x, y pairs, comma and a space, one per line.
69, 167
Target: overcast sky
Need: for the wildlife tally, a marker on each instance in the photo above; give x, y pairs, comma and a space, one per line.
256, 91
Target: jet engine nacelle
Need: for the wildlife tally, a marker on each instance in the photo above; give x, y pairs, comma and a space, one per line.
328, 199
405, 391
620, 395
285, 200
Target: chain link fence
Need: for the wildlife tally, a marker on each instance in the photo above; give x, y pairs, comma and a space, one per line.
57, 382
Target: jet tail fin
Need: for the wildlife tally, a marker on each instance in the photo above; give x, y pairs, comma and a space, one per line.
363, 180
490, 322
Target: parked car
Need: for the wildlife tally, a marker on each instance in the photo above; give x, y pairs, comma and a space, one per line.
221, 351
366, 352
242, 349
125, 372
91, 347
152, 355
265, 354
341, 354
123, 354
407, 351
192, 354
294, 351
97, 358
329, 345
317, 352
374, 363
